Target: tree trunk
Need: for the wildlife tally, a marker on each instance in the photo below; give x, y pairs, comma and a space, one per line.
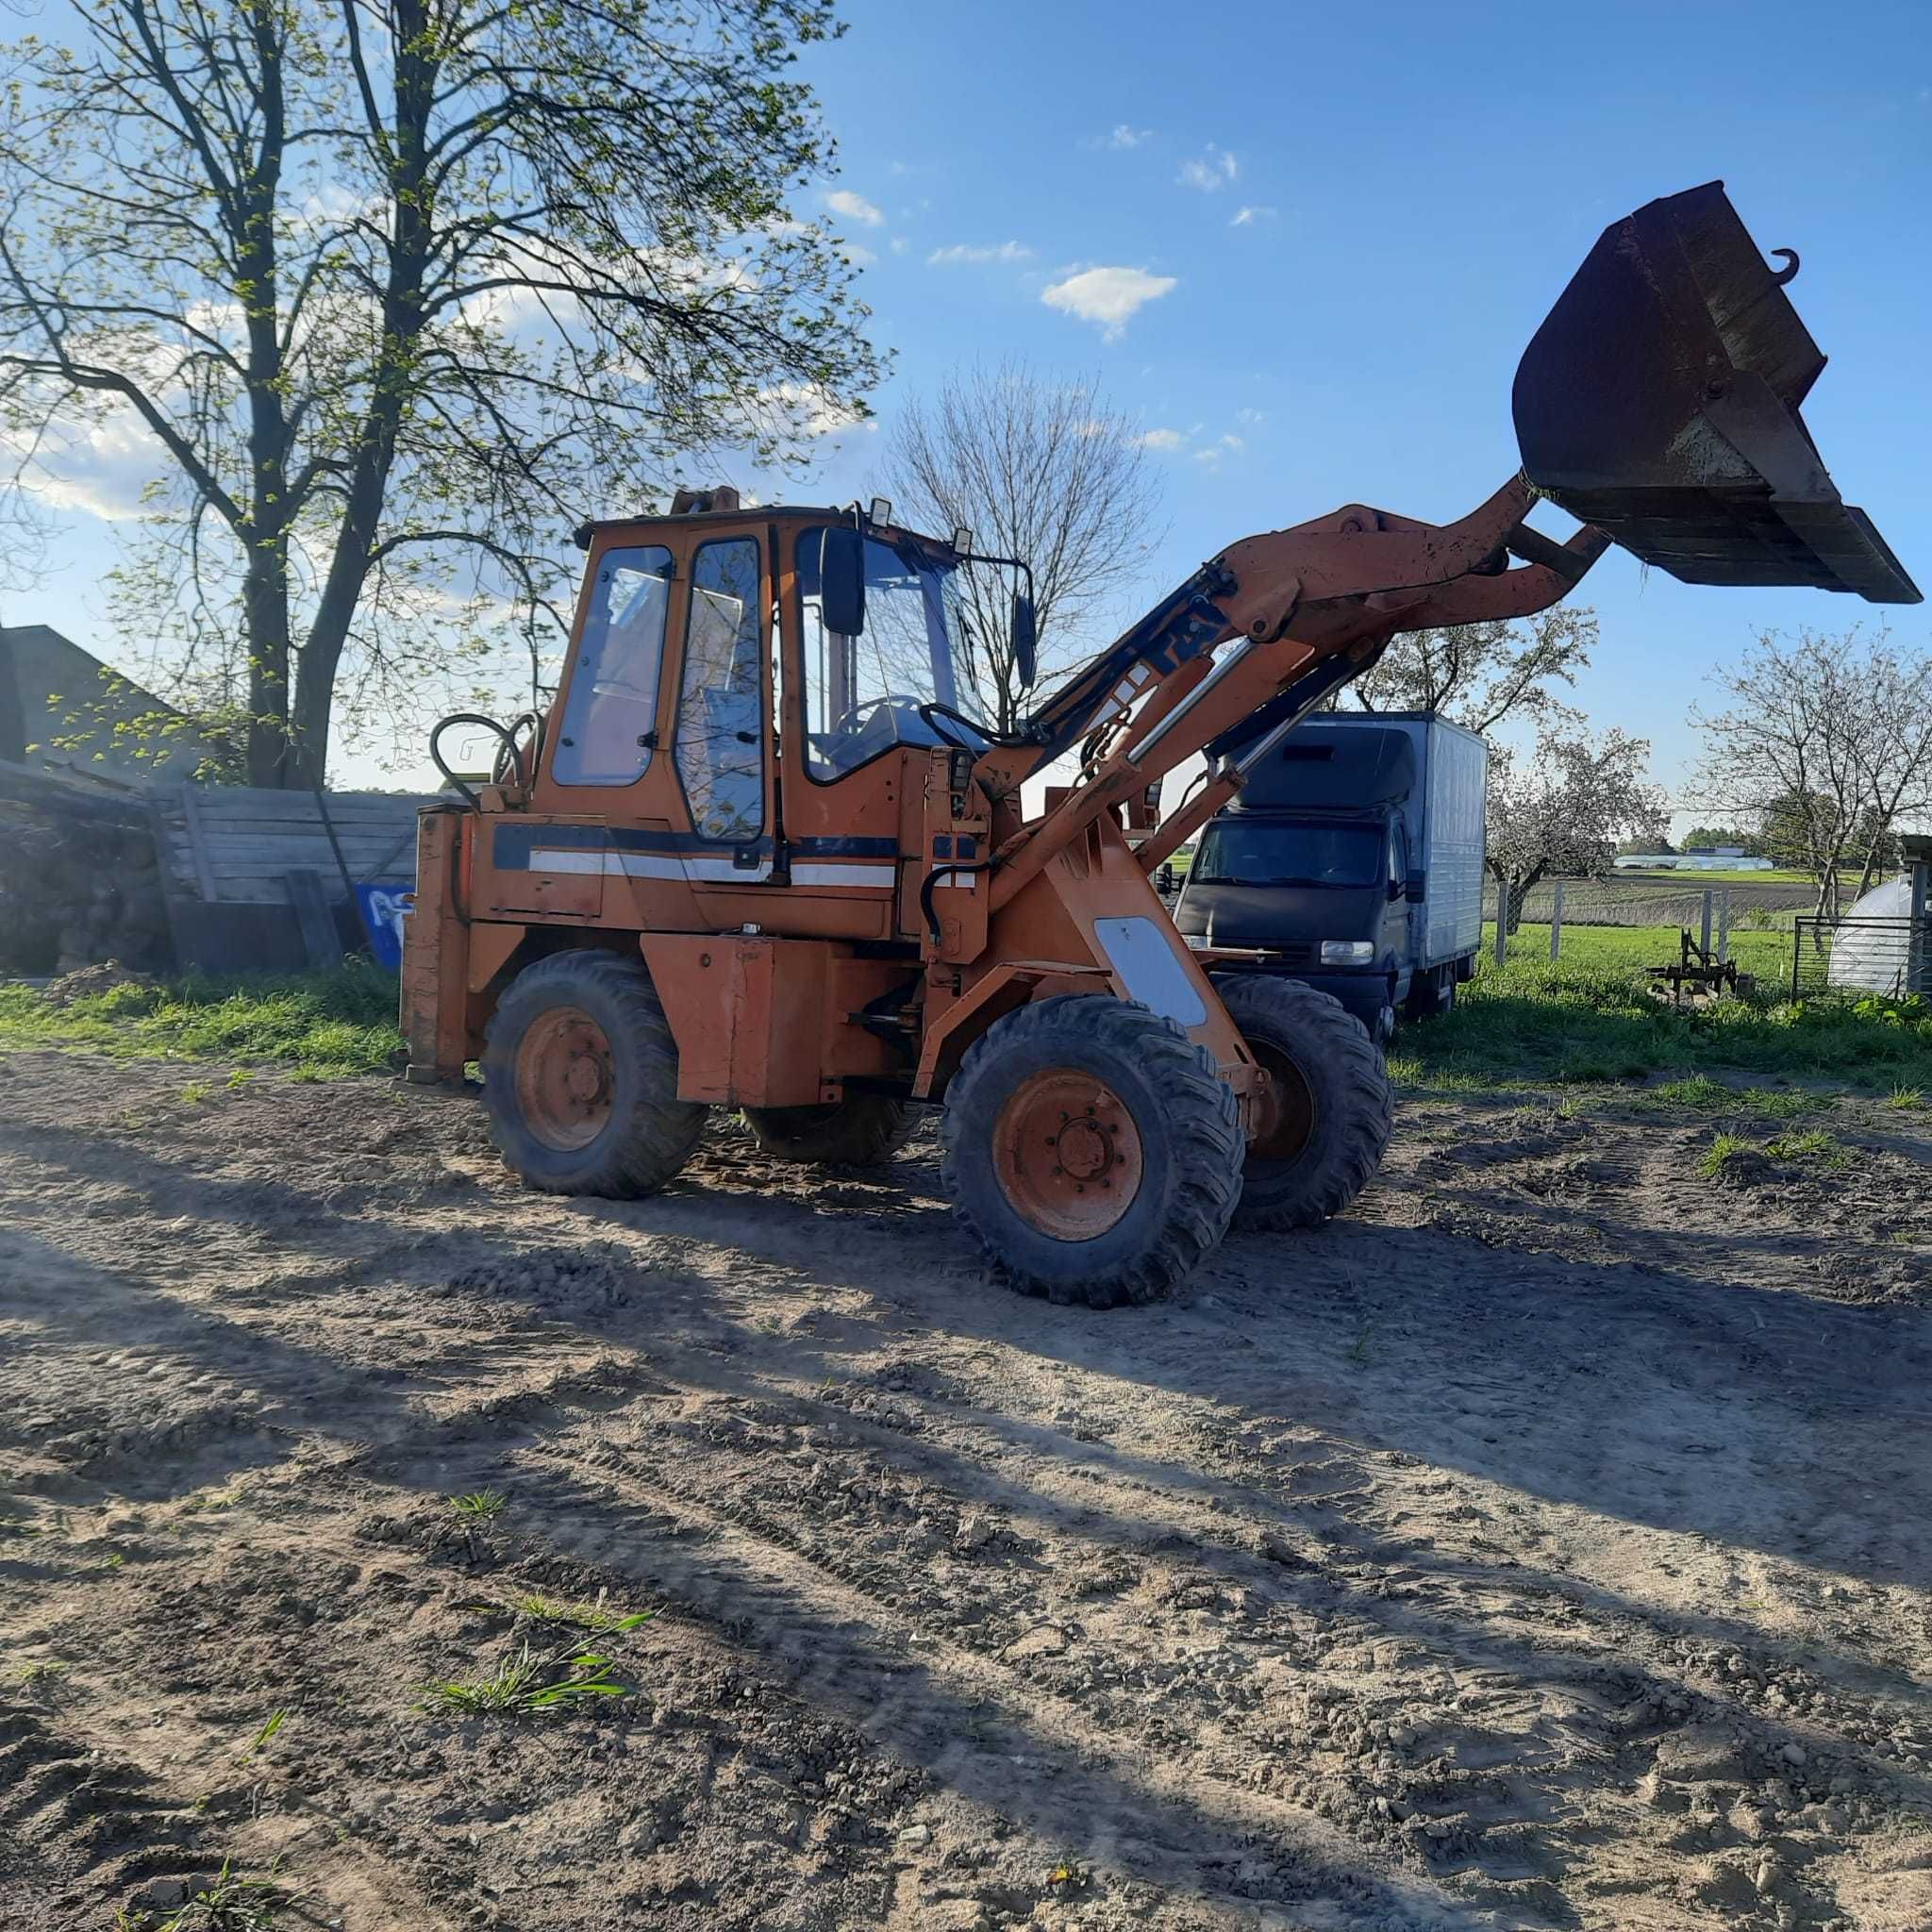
265, 533
416, 71
266, 617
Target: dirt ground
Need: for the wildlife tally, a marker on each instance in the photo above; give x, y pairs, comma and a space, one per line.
1547, 1544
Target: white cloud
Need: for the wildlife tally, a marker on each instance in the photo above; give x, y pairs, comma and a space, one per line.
1211, 174
1247, 217
855, 207
1160, 439
807, 410
1110, 296
100, 465
858, 254
960, 251
1250, 417
1211, 454
1123, 136
899, 245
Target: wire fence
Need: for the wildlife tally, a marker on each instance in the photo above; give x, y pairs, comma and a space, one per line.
1889, 958
1600, 923
1558, 912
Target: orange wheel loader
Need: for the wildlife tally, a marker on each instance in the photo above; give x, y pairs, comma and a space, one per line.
765, 852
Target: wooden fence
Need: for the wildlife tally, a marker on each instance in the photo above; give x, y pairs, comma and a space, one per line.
235, 845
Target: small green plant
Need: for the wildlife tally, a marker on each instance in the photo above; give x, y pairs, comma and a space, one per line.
1816, 1145
115, 1558
42, 1675
240, 1078
1906, 1098
527, 1684
228, 1905
1725, 1154
546, 1610
479, 1506
267, 1731
197, 1092
1358, 1354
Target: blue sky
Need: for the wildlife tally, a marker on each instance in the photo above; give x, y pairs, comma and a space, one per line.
1067, 182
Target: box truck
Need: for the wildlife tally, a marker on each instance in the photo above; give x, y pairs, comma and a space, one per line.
1353, 859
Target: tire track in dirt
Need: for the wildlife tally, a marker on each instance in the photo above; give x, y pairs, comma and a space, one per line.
1563, 1555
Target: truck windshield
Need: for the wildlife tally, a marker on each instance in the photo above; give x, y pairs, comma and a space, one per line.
1275, 851
862, 694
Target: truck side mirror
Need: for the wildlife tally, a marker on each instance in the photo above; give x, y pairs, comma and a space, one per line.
841, 580
1415, 887
1025, 634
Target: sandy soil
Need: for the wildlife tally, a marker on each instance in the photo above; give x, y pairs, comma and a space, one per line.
1547, 1546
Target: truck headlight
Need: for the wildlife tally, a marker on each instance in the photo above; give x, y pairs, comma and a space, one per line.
1348, 952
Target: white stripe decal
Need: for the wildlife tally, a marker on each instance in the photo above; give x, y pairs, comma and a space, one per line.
844, 875
708, 871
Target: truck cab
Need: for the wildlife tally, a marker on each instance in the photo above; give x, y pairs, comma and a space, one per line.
1352, 859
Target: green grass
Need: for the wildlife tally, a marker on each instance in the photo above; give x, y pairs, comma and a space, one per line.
228, 1905
1763, 951
549, 1609
480, 1505
1533, 1022
527, 1684
1702, 1094
323, 1024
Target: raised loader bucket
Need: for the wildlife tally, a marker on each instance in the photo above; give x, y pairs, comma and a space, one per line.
1659, 401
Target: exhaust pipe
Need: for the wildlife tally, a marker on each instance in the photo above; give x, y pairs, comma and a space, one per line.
1659, 402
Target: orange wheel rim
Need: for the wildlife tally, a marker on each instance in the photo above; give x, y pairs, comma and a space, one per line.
1067, 1154
563, 1078
1283, 1114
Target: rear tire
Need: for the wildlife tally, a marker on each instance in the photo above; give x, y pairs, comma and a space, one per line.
580, 1079
1093, 1149
1325, 1121
862, 1130
1432, 997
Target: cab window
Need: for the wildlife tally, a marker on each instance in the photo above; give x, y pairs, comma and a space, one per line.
609, 719
721, 712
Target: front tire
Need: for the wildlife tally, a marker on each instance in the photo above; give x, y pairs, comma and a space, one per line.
1093, 1149
580, 1079
861, 1130
1324, 1124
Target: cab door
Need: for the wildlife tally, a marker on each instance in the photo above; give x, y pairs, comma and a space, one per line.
721, 734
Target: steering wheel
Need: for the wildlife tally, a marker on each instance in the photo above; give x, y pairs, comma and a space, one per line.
848, 725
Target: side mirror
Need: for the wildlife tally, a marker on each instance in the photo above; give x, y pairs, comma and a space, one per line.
1415, 889
1026, 642
841, 580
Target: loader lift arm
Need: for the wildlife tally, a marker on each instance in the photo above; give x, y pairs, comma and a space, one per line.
1248, 645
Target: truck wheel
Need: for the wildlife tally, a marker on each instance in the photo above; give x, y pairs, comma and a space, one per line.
1324, 1124
580, 1079
862, 1129
1093, 1148
1431, 998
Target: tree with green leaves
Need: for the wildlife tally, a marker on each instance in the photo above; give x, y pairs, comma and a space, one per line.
393, 293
